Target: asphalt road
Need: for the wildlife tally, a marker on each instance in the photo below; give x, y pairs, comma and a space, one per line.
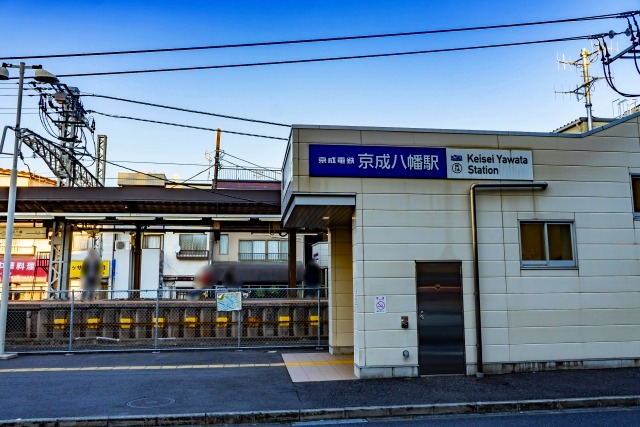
171, 385
625, 417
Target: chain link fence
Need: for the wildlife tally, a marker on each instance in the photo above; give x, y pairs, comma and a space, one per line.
76, 321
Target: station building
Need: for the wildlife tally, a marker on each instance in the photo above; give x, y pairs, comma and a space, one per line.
471, 252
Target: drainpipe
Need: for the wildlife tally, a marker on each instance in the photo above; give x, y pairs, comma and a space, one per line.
474, 243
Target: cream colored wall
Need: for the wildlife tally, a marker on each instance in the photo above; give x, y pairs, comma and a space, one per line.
340, 291
23, 182
592, 312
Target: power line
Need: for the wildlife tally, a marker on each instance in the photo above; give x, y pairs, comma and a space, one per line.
171, 182
333, 58
328, 39
168, 181
209, 167
115, 116
186, 110
189, 164
244, 160
161, 163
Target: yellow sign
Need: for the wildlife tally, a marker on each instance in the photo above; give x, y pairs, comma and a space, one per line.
25, 232
75, 272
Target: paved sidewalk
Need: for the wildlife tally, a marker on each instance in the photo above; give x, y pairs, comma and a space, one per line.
146, 384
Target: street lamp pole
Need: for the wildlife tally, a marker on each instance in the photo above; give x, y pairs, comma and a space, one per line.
11, 201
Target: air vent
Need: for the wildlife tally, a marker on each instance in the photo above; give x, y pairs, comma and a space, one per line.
121, 245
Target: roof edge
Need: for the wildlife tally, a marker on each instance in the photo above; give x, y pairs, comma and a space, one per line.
468, 132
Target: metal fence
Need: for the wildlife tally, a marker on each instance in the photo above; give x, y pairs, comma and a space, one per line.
249, 174
74, 321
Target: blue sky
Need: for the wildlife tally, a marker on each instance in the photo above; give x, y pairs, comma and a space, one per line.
499, 89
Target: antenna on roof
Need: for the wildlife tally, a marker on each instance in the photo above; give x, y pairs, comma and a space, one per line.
584, 90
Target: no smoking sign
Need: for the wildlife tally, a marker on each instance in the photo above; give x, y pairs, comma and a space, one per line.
381, 305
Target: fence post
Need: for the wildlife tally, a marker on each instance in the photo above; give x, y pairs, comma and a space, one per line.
156, 330
239, 326
319, 327
73, 299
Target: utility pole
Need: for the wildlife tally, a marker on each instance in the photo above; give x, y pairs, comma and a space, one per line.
587, 86
45, 77
101, 160
584, 90
216, 164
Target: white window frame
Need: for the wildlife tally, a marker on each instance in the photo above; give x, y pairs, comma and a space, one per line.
147, 238
548, 264
220, 246
263, 255
636, 214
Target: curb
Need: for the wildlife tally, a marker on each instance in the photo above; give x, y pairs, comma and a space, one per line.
330, 413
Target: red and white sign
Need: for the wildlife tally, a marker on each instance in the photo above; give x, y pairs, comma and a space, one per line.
23, 268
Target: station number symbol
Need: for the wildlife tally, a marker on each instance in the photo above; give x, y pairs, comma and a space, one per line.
456, 167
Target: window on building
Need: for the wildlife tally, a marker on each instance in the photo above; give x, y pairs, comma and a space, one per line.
152, 241
193, 246
263, 250
547, 244
223, 248
82, 242
635, 185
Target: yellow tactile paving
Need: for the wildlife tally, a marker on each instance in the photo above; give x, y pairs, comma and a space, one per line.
133, 368
303, 367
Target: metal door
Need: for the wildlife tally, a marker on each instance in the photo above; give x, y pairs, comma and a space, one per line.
440, 318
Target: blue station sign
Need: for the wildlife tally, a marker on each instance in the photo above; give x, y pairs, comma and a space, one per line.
377, 161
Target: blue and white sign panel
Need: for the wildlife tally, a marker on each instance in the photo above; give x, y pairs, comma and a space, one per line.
377, 161
373, 161
489, 164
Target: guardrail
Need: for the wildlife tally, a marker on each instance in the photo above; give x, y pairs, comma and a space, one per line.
250, 174
76, 321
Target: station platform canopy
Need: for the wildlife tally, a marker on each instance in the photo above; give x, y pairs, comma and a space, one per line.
143, 205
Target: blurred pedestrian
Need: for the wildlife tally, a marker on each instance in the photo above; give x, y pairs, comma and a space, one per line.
14, 294
91, 274
229, 280
312, 279
204, 280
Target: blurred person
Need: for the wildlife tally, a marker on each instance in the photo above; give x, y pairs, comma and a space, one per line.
312, 279
14, 294
204, 279
229, 278
91, 274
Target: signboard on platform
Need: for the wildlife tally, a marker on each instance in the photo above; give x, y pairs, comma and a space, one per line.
374, 161
75, 271
24, 268
25, 232
229, 301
